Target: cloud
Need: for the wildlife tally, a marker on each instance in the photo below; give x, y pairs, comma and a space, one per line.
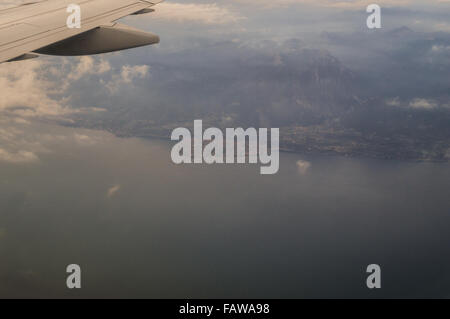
17, 146
112, 191
25, 92
198, 13
41, 89
303, 167
88, 66
130, 72
393, 102
23, 142
423, 104
127, 75
440, 49
416, 103
17, 157
85, 140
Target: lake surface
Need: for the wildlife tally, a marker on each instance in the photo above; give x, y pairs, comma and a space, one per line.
140, 226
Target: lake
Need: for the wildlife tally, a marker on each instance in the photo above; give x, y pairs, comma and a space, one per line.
142, 227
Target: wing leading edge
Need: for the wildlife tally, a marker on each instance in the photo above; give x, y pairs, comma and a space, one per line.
41, 28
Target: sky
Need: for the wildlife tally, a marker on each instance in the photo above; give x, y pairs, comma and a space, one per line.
237, 62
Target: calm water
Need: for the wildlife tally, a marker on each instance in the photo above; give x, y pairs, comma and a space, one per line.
140, 226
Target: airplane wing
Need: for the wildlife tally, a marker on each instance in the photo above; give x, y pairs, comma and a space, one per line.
41, 27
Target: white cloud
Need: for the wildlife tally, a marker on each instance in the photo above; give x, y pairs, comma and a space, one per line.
423, 104
417, 103
127, 75
393, 102
40, 89
86, 140
303, 167
25, 92
130, 72
16, 146
87, 65
440, 49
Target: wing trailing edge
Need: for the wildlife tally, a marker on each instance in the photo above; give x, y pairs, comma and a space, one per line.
101, 40
26, 56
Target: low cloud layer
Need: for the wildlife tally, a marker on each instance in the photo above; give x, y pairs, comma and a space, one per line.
26, 92
42, 88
